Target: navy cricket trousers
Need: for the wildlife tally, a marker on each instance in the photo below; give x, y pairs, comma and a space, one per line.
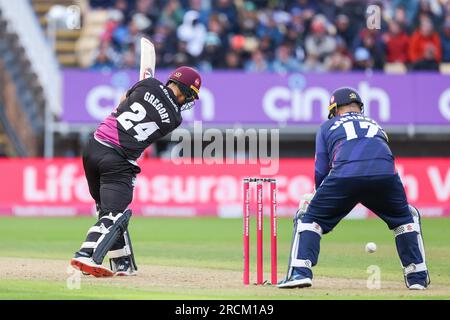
336, 197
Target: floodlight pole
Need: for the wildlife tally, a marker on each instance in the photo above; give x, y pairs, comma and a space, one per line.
49, 129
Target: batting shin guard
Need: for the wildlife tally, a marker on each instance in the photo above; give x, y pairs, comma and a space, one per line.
126, 251
411, 249
107, 240
312, 233
294, 245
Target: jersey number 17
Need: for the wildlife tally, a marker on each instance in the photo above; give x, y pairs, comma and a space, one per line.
350, 131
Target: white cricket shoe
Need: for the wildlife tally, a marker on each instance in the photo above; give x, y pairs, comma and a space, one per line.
417, 287
88, 266
297, 281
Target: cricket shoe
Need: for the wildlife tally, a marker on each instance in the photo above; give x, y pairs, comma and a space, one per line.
87, 266
417, 286
122, 267
295, 281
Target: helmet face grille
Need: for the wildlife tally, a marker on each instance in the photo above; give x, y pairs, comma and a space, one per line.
187, 106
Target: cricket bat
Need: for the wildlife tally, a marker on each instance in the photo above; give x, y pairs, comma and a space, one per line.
148, 59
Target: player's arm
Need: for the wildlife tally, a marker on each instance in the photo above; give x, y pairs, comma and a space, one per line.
322, 167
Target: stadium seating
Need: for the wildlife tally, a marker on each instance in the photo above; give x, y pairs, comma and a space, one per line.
21, 115
65, 39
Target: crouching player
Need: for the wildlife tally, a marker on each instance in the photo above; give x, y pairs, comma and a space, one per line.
355, 165
149, 111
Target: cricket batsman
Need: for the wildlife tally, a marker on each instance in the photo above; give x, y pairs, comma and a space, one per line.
355, 165
148, 111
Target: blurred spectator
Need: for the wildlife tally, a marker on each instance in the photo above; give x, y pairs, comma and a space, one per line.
267, 47
430, 8
370, 39
213, 53
172, 14
203, 9
149, 10
355, 10
269, 28
284, 61
193, 33
328, 9
105, 57
232, 61
318, 35
428, 61
123, 7
401, 19
182, 57
130, 59
216, 26
397, 43
229, 10
362, 59
410, 7
258, 62
421, 42
319, 43
102, 3
166, 42
307, 7
344, 30
339, 60
445, 40
248, 20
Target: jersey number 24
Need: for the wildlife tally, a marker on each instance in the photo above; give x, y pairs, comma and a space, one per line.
128, 120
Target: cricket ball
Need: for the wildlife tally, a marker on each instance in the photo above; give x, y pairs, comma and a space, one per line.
371, 247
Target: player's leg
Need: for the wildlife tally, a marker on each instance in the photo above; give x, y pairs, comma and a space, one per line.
117, 194
387, 199
332, 201
83, 258
116, 190
109, 229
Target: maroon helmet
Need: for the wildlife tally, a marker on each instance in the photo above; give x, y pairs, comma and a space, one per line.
189, 82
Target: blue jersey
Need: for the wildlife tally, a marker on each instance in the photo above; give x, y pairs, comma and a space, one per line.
352, 145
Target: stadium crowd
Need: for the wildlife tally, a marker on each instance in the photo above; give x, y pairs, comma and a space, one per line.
278, 36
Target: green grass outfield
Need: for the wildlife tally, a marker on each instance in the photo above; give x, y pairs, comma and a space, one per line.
201, 258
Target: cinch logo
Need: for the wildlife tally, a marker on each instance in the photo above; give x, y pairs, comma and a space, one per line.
282, 103
197, 82
177, 74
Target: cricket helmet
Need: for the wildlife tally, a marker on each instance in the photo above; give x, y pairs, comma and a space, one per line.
189, 82
342, 97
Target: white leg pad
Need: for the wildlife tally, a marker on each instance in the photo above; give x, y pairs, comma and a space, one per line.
313, 227
301, 227
412, 268
89, 245
413, 227
99, 229
125, 251
301, 263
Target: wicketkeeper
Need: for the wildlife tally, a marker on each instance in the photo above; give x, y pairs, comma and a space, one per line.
149, 111
355, 165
